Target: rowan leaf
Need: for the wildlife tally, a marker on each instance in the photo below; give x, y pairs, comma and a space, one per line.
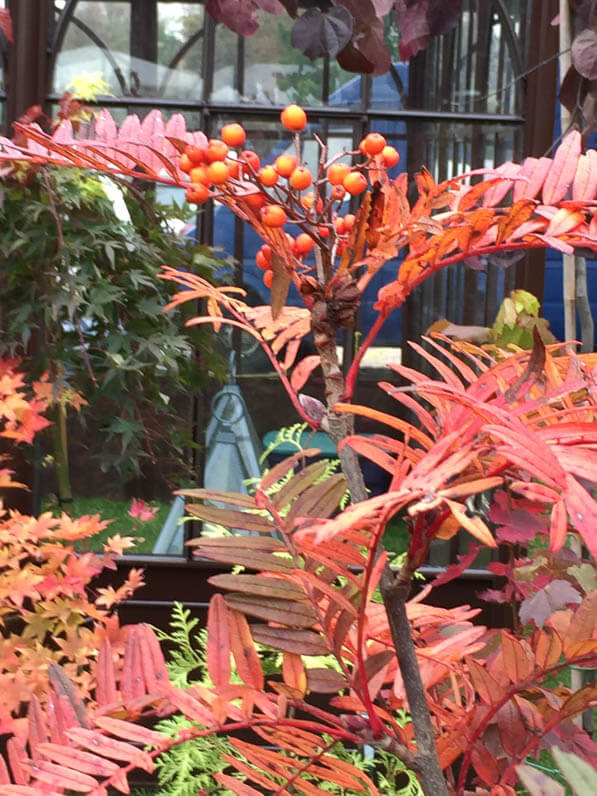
62, 777
236, 785
563, 168
301, 642
325, 681
128, 731
230, 518
78, 760
243, 649
285, 612
293, 672
303, 370
260, 586
100, 744
218, 641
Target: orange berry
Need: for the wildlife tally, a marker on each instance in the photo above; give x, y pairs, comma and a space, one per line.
267, 252
300, 178
216, 150
233, 134
268, 176
273, 216
337, 172
374, 143
250, 158
293, 117
340, 226
324, 232
256, 200
199, 175
196, 154
268, 278
355, 183
349, 219
303, 243
285, 165
338, 192
308, 200
262, 261
186, 164
218, 172
390, 156
197, 194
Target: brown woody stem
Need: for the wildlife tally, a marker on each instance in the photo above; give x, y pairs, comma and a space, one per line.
394, 589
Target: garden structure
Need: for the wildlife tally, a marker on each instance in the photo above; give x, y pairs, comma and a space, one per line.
487, 459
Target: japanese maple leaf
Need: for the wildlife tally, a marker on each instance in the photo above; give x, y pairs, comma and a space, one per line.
141, 511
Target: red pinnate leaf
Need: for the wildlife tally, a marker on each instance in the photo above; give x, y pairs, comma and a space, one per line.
218, 641
582, 510
109, 747
128, 731
62, 777
17, 757
546, 601
236, 786
153, 663
38, 729
189, 706
534, 172
563, 168
243, 649
584, 186
303, 370
105, 688
293, 672
78, 760
558, 529
564, 221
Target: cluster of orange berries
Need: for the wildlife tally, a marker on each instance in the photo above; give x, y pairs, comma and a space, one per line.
219, 166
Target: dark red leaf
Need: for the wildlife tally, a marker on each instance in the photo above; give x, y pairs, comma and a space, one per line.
238, 15
584, 53
317, 34
456, 570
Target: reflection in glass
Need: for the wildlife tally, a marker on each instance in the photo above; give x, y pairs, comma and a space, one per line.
123, 54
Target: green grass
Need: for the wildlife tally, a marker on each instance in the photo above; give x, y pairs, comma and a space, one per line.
121, 522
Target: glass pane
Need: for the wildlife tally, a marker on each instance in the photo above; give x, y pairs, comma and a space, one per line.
180, 49
275, 72
131, 61
470, 69
93, 43
225, 79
